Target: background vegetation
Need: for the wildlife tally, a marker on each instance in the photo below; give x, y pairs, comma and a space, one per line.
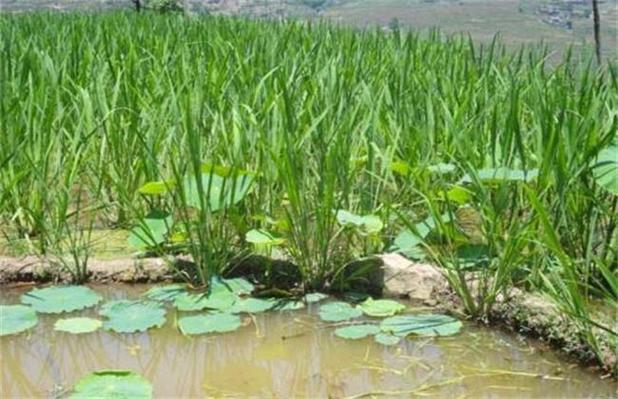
220, 137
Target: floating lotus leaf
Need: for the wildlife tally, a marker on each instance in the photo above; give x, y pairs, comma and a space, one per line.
315, 297
78, 325
428, 325
252, 305
285, 304
117, 384
218, 300
210, 323
358, 331
387, 339
381, 307
165, 292
132, 316
238, 286
16, 318
60, 299
339, 311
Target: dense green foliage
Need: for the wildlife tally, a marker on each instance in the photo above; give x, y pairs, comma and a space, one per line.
107, 119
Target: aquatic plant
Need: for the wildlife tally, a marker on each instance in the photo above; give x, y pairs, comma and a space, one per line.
16, 318
121, 384
59, 299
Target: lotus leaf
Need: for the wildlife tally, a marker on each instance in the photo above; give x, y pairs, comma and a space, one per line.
60, 299
502, 174
218, 300
165, 292
381, 307
357, 331
78, 325
132, 316
151, 231
387, 339
315, 297
427, 325
605, 170
220, 191
252, 305
16, 318
338, 311
117, 384
210, 323
369, 224
263, 238
237, 286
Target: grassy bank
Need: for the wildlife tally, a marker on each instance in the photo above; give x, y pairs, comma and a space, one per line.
224, 137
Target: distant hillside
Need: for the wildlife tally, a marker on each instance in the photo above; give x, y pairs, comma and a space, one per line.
558, 23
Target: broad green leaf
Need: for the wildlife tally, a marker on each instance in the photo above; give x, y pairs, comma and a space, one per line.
217, 300
78, 325
315, 297
125, 316
338, 311
357, 331
369, 224
165, 292
58, 299
458, 195
400, 167
502, 174
210, 323
441, 168
252, 305
156, 187
117, 384
387, 339
151, 231
238, 285
605, 170
427, 325
16, 318
219, 192
262, 238
381, 307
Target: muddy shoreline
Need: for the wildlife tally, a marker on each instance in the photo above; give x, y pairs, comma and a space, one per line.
525, 313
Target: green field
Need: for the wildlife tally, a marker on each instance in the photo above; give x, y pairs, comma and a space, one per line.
216, 138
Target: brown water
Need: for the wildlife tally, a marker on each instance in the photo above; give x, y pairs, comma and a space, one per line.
289, 355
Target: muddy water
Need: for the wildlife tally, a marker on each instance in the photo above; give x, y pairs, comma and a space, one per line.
287, 355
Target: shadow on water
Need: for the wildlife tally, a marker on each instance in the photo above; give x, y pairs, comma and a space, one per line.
288, 354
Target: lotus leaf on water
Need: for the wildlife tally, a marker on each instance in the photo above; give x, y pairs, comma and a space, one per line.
357, 331
132, 316
381, 307
78, 325
315, 297
60, 299
210, 323
217, 300
16, 318
117, 384
338, 311
238, 286
252, 305
426, 324
387, 339
165, 292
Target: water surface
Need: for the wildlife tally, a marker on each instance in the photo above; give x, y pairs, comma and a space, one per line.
285, 355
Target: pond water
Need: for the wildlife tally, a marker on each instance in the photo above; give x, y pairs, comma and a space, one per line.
285, 355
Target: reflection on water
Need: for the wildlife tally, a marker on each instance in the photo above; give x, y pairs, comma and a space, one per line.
285, 355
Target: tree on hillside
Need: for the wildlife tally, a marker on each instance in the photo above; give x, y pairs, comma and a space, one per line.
597, 29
